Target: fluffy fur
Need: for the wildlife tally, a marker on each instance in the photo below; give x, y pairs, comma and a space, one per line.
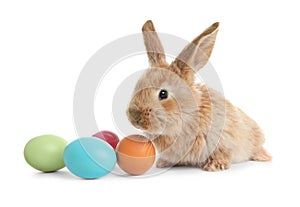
195, 126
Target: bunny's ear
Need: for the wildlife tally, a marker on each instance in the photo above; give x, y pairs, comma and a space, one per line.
155, 50
196, 54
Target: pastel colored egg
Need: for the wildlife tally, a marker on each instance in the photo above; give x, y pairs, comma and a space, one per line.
89, 157
135, 154
108, 136
45, 153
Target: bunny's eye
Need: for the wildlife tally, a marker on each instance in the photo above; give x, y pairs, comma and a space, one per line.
163, 94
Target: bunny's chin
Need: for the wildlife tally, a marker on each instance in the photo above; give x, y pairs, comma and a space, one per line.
150, 130
155, 131
152, 133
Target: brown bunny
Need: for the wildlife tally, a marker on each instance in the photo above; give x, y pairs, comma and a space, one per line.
189, 123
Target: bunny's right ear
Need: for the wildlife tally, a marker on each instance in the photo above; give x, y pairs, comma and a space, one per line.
155, 50
196, 54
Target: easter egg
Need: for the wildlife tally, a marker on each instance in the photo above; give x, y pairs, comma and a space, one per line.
110, 137
89, 157
45, 153
135, 154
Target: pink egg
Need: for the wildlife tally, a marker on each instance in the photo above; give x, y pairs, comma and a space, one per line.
110, 137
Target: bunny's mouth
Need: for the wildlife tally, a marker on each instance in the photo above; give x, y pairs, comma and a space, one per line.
148, 120
147, 126
142, 124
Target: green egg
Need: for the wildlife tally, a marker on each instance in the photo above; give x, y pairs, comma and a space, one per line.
45, 153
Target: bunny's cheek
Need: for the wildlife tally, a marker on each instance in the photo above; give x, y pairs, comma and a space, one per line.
170, 106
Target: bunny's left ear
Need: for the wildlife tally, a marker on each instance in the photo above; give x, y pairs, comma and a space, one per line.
155, 50
196, 54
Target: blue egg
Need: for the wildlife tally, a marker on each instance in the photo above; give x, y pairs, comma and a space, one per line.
89, 158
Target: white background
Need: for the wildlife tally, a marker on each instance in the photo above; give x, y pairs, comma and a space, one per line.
44, 46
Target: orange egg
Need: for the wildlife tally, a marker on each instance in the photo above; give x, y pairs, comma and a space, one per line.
135, 154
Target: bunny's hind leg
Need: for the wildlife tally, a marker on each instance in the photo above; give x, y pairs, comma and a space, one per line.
260, 154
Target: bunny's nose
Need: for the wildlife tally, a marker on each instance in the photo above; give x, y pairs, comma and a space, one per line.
139, 118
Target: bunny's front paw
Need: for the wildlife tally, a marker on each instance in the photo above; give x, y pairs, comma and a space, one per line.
214, 165
163, 163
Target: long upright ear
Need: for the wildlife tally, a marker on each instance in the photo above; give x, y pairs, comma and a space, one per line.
196, 54
155, 50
